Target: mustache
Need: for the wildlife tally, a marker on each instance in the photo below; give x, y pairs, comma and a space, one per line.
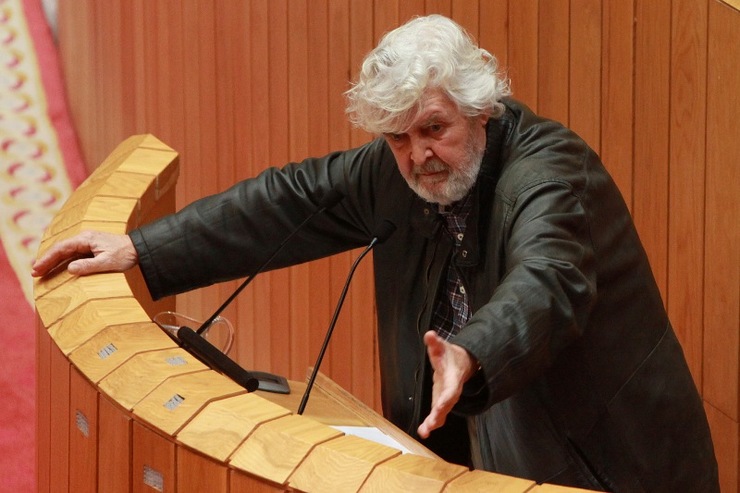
433, 166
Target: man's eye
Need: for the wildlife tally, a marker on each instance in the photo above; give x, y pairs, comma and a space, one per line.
394, 137
435, 127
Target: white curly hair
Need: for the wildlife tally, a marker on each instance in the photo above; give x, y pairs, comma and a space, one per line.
431, 52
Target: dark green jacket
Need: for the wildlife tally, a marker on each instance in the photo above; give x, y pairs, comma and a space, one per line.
582, 382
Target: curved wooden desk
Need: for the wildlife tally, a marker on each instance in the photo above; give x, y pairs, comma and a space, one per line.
122, 408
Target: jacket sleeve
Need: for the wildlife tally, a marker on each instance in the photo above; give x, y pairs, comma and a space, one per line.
544, 298
228, 235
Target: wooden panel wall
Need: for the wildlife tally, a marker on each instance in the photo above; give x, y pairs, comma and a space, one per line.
238, 86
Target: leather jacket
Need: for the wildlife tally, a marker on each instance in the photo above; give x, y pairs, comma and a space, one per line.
582, 379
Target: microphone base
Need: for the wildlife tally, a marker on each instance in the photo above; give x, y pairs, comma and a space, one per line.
269, 382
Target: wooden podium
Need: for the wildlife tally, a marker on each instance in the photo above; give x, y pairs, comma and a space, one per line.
122, 408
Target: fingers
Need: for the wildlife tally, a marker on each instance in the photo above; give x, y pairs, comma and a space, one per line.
88, 253
441, 407
447, 381
435, 346
85, 266
59, 253
431, 423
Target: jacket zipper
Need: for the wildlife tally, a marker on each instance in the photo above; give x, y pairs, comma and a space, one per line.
420, 373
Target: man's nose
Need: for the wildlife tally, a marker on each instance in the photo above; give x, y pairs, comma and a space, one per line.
420, 151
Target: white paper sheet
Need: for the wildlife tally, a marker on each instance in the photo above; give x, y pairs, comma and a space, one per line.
373, 434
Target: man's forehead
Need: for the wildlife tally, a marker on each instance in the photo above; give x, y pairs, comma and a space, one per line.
435, 105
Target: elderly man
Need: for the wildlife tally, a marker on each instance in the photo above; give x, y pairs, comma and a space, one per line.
520, 327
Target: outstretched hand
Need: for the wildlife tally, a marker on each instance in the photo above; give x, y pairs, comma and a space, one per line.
87, 253
453, 366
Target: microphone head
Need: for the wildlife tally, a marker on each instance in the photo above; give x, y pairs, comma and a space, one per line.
331, 199
384, 231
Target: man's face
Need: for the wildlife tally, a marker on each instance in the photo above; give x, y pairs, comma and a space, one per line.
440, 154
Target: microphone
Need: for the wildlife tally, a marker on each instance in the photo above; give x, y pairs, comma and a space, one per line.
193, 342
211, 356
384, 232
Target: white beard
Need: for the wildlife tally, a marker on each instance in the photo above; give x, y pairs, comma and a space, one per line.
459, 180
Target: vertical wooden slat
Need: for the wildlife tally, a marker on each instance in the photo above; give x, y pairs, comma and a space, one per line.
174, 58
138, 75
493, 28
279, 144
616, 93
109, 66
153, 462
165, 63
652, 60
115, 437
385, 18
585, 70
339, 364
410, 8
300, 313
244, 347
228, 46
208, 159
83, 434
244, 483
319, 59
725, 432
197, 474
363, 335
553, 62
722, 211
61, 421
43, 409
76, 40
188, 185
722, 240
362, 41
466, 13
260, 137
442, 7
149, 67
127, 98
94, 130
686, 192
523, 55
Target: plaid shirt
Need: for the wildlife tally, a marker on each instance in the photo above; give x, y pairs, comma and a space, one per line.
451, 309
